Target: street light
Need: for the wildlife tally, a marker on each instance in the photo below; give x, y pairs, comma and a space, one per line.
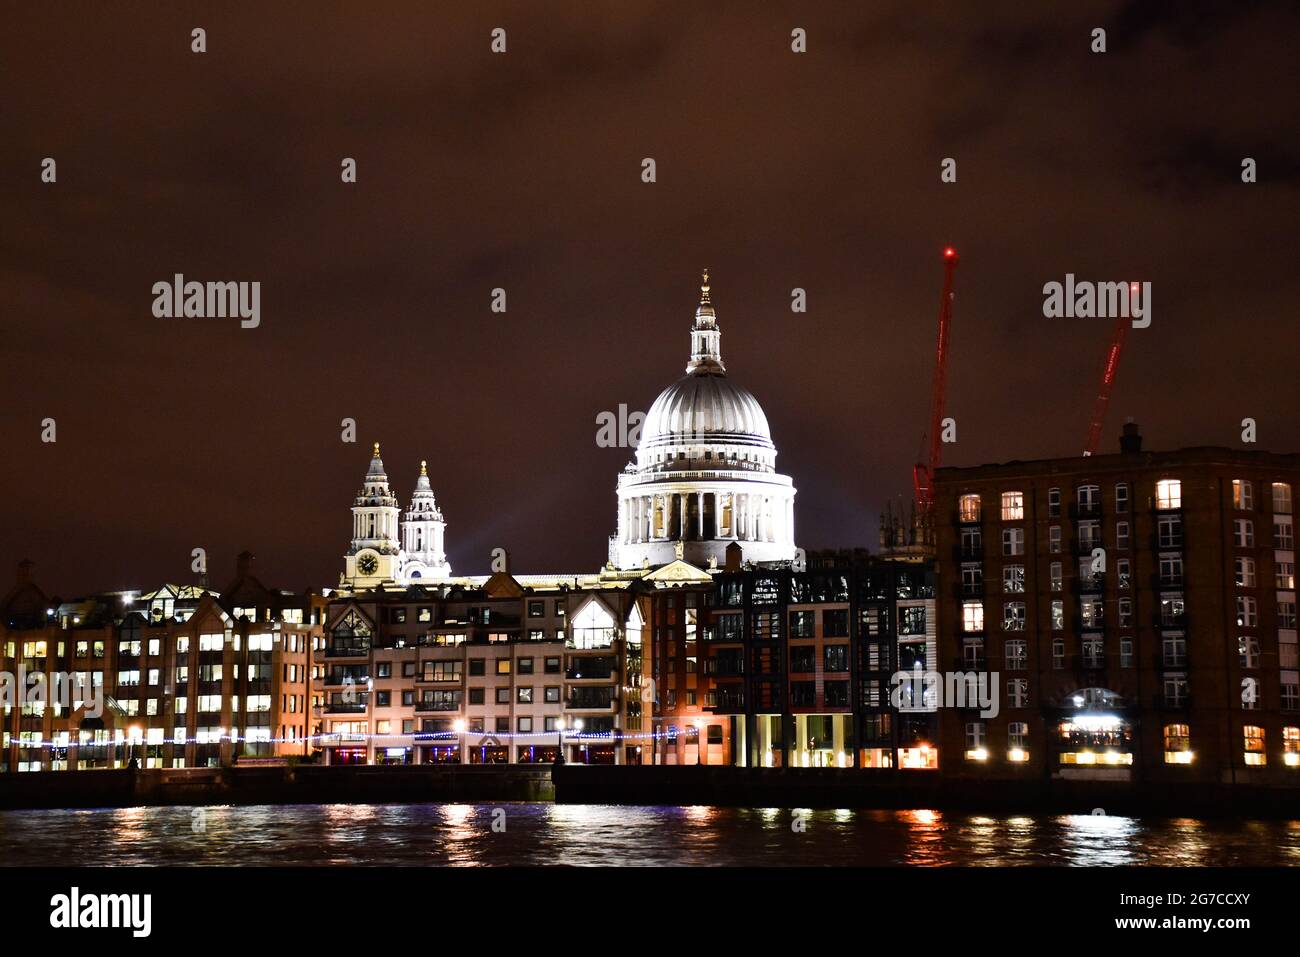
459, 727
132, 736
699, 741
577, 727
559, 741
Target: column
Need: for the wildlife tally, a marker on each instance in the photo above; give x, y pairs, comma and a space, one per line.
700, 504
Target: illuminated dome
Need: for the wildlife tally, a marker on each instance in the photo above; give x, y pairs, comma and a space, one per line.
705, 470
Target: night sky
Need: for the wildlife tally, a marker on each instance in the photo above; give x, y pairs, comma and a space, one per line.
523, 171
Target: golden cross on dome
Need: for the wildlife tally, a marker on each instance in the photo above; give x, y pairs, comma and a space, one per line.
424, 467
704, 286
376, 450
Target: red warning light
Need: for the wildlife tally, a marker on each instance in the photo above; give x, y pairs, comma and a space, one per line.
949, 252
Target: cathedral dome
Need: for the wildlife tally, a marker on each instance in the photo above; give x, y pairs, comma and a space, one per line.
705, 408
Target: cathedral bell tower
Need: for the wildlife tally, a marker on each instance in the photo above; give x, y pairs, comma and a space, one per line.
376, 554
422, 535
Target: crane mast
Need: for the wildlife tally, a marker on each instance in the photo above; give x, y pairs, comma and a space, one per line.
923, 472
1108, 372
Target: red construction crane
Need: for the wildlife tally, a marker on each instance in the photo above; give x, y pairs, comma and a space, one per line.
1107, 382
923, 472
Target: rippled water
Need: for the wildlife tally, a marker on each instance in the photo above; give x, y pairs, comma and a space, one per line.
424, 834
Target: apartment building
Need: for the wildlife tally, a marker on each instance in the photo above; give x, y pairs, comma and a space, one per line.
1137, 611
180, 676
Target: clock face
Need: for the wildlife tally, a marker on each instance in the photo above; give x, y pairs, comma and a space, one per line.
367, 564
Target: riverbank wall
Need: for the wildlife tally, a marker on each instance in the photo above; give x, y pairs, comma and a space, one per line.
277, 784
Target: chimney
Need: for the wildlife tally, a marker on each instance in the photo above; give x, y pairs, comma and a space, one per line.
1130, 442
733, 558
25, 572
242, 563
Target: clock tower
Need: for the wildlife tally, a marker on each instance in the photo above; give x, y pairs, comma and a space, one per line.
376, 554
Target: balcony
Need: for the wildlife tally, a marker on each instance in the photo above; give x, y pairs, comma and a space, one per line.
345, 707
347, 651
435, 705
724, 667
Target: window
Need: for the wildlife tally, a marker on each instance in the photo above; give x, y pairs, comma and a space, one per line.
476, 666
1126, 652
1247, 612
525, 666
1017, 739
1121, 534
1169, 532
1058, 653
1124, 574
1283, 534
1248, 651
1243, 533
802, 624
524, 695
1055, 571
1013, 578
1089, 499
536, 609
1178, 744
1013, 506
1286, 615
1017, 655
972, 579
972, 543
1091, 612
1018, 692
1169, 493
593, 627
1054, 539
1090, 534
1174, 651
1243, 495
1253, 742
972, 616
1245, 572
1058, 615
975, 732
552, 666
1291, 746
503, 695
551, 694
1094, 652
503, 666
837, 657
1282, 497
1125, 612
525, 724
1053, 503
1121, 497
1172, 607
969, 508
1013, 541
1013, 616
1171, 569
835, 622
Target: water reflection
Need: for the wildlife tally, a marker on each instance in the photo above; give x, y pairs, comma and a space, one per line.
542, 834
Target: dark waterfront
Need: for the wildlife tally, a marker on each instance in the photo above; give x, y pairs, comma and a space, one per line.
541, 834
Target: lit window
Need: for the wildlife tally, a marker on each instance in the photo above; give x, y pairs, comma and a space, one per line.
1291, 746
1058, 615
1178, 744
1243, 494
1253, 740
1054, 539
1169, 493
1017, 655
1013, 616
1055, 572
972, 616
1248, 653
1013, 506
1283, 534
969, 507
1247, 612
1013, 578
1281, 497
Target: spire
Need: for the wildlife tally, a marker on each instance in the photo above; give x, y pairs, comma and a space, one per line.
376, 470
706, 337
424, 467
422, 483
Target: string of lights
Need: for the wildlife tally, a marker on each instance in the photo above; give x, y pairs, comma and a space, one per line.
424, 738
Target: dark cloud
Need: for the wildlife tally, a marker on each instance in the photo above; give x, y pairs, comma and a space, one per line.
477, 171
